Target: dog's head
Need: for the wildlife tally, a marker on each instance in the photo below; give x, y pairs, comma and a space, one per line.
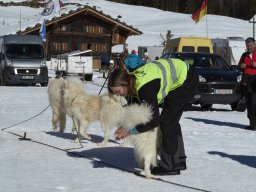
71, 88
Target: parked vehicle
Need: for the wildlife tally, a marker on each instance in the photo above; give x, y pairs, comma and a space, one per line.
74, 63
153, 51
22, 60
189, 44
230, 49
219, 83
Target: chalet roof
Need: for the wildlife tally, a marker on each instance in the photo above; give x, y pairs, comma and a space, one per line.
88, 10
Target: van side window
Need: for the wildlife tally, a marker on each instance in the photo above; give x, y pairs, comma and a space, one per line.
188, 49
203, 49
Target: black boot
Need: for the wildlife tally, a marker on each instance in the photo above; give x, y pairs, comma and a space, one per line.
163, 171
252, 128
182, 166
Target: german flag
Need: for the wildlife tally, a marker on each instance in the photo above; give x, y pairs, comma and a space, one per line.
200, 11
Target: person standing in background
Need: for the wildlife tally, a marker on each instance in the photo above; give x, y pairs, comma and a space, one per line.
132, 62
146, 58
247, 64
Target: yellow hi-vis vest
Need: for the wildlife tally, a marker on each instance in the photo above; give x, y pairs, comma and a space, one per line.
171, 72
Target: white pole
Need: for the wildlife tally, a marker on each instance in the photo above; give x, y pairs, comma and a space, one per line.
20, 19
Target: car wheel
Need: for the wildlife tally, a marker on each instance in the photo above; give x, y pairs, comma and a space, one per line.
239, 106
206, 106
2, 81
44, 84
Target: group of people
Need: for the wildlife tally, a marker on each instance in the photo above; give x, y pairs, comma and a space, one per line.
170, 84
131, 62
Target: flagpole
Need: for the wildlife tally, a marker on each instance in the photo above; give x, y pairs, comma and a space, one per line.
20, 19
206, 19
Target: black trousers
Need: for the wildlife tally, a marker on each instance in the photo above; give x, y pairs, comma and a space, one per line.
173, 152
248, 84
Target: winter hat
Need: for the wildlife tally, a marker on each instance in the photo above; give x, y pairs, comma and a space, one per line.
133, 52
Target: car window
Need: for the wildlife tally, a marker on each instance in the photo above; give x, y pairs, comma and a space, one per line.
204, 62
219, 63
188, 49
203, 49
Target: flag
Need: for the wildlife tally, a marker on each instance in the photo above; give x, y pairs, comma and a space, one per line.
51, 7
42, 31
200, 12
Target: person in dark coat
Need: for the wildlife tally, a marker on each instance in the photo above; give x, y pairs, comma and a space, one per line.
105, 61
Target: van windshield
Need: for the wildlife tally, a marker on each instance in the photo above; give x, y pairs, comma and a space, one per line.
24, 51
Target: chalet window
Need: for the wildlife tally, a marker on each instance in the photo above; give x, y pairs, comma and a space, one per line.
64, 28
83, 46
100, 47
60, 46
93, 29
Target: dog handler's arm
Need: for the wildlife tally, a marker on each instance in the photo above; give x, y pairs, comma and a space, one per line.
121, 133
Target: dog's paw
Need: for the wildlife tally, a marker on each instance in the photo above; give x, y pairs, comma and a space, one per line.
88, 137
102, 144
55, 129
76, 140
148, 176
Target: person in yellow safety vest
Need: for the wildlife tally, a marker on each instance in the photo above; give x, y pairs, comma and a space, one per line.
170, 83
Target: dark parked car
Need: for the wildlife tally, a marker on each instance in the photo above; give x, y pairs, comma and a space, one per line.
219, 83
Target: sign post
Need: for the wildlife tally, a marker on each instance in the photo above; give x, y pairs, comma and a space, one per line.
253, 21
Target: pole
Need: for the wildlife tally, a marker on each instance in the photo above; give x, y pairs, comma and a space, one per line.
253, 20
206, 19
20, 19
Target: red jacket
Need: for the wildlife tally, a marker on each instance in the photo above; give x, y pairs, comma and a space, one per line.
245, 58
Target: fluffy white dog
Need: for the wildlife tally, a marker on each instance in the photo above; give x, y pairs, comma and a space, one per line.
146, 145
57, 103
84, 108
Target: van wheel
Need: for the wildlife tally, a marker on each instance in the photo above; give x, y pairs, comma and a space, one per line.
239, 106
44, 84
206, 106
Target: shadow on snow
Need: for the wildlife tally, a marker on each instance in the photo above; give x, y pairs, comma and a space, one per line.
120, 157
72, 136
250, 161
219, 123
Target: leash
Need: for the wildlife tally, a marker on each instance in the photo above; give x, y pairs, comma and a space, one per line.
26, 119
109, 165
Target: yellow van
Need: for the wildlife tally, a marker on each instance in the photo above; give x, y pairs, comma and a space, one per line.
189, 44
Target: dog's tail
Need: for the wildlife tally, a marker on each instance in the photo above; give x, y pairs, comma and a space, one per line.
136, 114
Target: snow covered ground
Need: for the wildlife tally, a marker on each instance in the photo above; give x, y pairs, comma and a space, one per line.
221, 154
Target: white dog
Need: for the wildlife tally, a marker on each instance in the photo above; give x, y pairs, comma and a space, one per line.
146, 145
84, 108
57, 103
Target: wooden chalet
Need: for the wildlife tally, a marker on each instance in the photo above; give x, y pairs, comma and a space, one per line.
83, 29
